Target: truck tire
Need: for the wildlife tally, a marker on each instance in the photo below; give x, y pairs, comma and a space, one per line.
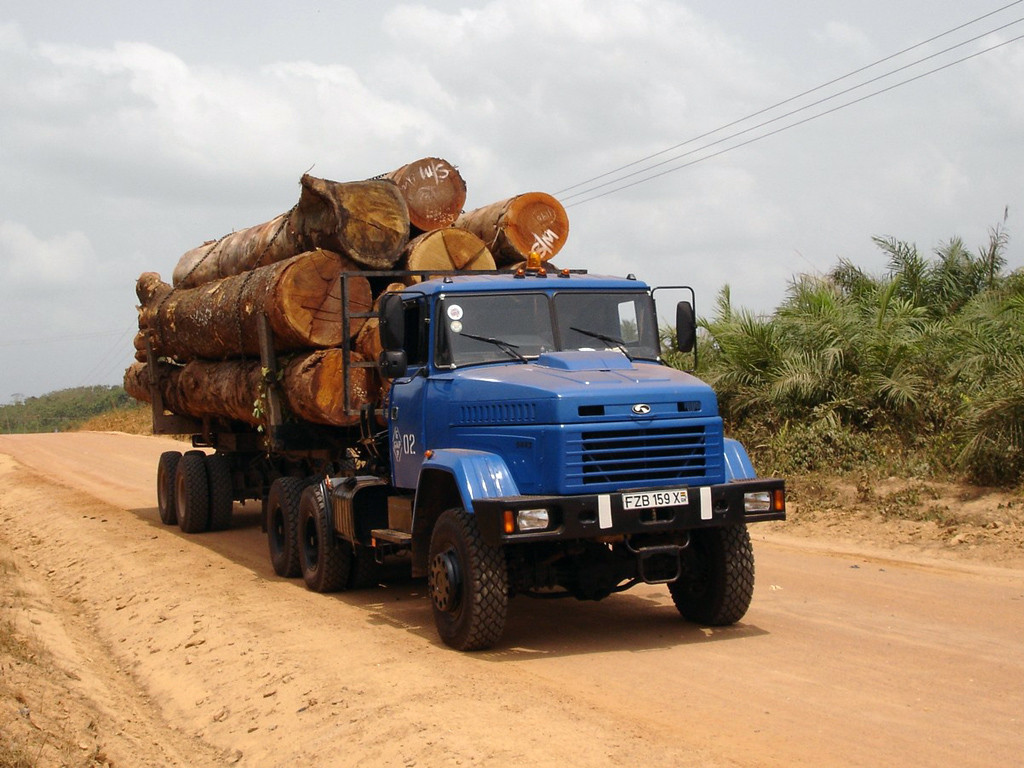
718, 576
166, 469
325, 559
192, 493
283, 525
222, 500
468, 583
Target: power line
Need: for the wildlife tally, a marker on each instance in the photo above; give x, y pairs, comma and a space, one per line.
783, 116
590, 188
107, 363
781, 129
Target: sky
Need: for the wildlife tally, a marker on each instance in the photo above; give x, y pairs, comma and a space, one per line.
131, 132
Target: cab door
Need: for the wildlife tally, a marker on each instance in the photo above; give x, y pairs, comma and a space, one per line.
407, 401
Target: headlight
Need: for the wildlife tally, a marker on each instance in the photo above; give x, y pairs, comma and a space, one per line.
757, 501
532, 519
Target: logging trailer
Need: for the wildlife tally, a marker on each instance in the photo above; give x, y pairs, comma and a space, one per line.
532, 443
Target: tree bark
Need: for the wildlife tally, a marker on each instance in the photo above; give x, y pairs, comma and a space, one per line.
433, 190
368, 221
300, 297
240, 251
233, 389
447, 249
512, 228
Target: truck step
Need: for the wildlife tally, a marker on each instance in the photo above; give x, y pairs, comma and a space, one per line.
391, 536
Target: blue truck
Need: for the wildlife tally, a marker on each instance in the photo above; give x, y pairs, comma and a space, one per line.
531, 442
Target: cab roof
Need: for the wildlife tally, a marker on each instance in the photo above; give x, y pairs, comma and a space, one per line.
508, 281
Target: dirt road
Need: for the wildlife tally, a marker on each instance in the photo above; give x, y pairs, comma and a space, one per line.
187, 650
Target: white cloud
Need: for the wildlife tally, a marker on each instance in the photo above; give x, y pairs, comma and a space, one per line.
136, 108
28, 260
845, 36
117, 157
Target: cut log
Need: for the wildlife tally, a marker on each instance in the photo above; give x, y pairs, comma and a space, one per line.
512, 228
139, 342
434, 191
300, 297
447, 249
234, 389
239, 251
368, 221
137, 380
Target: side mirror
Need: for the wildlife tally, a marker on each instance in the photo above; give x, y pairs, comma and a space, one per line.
686, 327
392, 323
392, 364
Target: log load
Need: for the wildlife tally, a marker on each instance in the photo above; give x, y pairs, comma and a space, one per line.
434, 192
233, 389
368, 221
300, 297
137, 384
446, 249
512, 228
205, 331
139, 342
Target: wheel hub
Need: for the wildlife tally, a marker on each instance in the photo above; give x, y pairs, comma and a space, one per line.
445, 581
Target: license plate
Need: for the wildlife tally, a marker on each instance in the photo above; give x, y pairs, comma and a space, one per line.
673, 497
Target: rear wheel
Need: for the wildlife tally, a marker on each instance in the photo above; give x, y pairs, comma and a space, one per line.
283, 525
468, 583
326, 560
222, 501
718, 576
191, 493
166, 470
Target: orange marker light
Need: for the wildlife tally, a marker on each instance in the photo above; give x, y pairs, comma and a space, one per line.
510, 521
779, 500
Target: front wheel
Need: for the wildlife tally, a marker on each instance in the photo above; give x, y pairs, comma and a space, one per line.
717, 583
468, 583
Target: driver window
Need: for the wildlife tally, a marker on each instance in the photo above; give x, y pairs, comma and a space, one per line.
415, 333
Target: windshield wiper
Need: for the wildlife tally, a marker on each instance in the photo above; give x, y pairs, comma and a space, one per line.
605, 338
507, 347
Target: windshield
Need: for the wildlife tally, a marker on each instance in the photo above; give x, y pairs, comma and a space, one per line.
499, 327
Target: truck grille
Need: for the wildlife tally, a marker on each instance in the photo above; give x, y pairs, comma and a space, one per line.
498, 413
662, 455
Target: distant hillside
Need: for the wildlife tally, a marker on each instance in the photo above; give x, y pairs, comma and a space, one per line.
63, 410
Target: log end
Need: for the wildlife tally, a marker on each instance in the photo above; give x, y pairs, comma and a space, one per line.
446, 250
368, 221
308, 311
537, 222
434, 192
315, 392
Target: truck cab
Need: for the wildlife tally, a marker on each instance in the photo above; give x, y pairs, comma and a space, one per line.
541, 446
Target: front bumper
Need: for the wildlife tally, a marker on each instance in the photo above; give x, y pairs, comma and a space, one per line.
605, 515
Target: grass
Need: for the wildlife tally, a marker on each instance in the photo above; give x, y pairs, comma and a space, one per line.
136, 420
